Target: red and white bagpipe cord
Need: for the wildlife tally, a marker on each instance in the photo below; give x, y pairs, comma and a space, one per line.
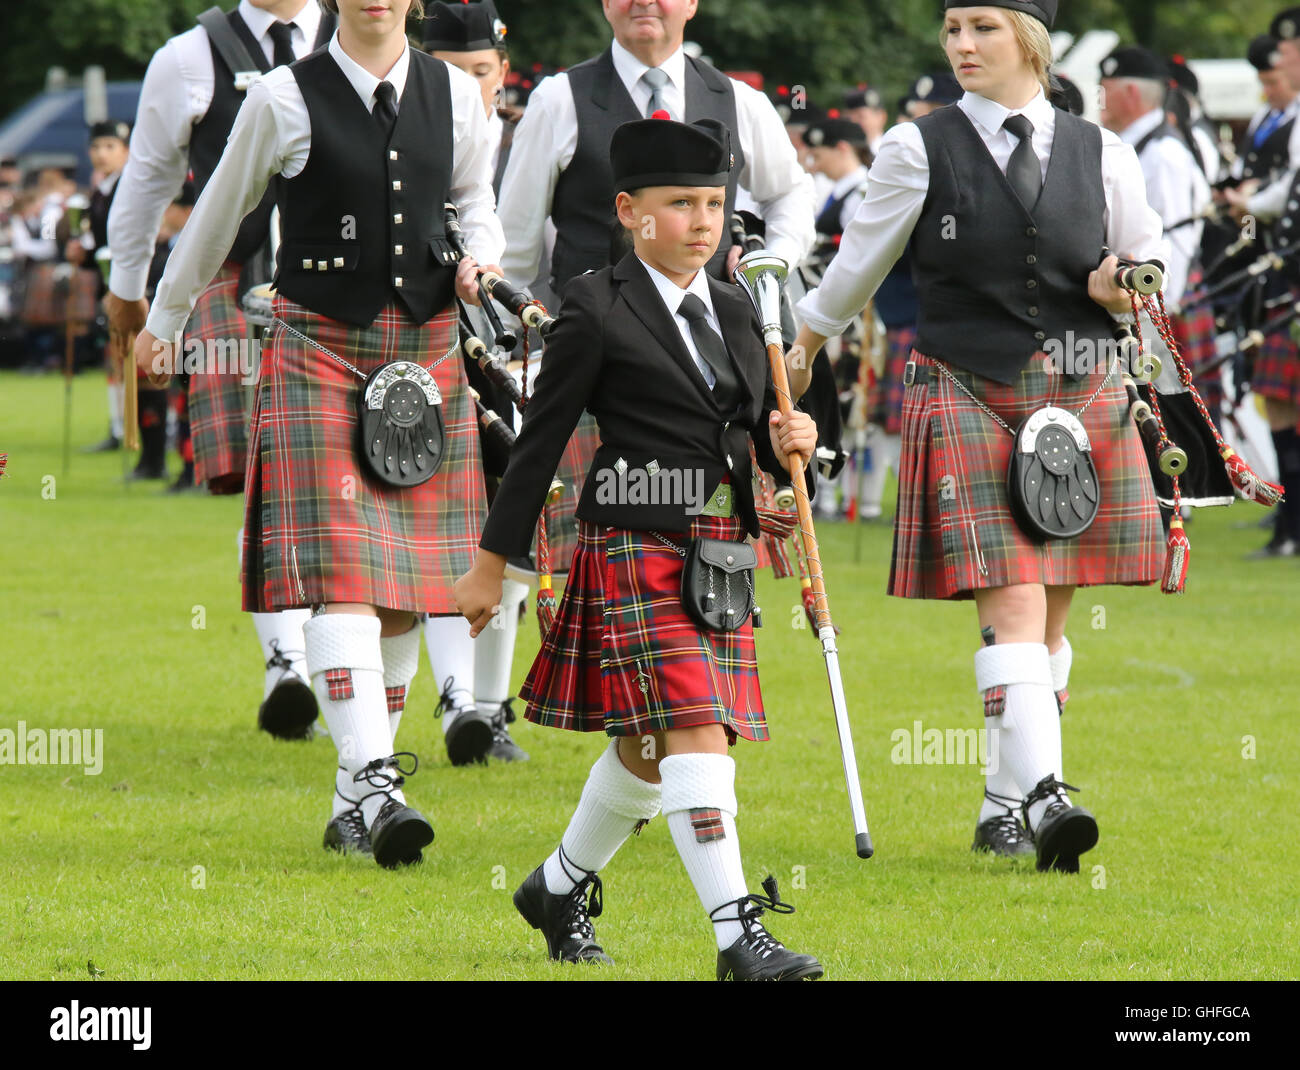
4, 459
1248, 485
547, 604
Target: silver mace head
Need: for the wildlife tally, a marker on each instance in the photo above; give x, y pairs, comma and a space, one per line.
73, 207
761, 275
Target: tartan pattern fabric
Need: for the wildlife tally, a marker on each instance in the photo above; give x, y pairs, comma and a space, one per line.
1195, 333
561, 516
45, 296
317, 528
1062, 697
954, 531
622, 655
1277, 369
339, 682
885, 398
218, 405
995, 700
396, 698
707, 825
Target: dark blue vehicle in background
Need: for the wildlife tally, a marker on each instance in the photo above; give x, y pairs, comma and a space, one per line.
50, 129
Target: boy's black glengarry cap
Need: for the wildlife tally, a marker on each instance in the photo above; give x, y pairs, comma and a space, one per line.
940, 87
1134, 61
463, 27
1043, 10
661, 152
111, 128
862, 97
828, 131
1285, 24
1262, 52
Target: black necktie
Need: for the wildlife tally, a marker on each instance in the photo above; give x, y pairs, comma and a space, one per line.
726, 389
1023, 170
281, 43
386, 108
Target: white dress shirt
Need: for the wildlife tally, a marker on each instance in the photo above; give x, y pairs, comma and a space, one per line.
852, 184
900, 176
1176, 189
176, 94
272, 135
547, 138
672, 296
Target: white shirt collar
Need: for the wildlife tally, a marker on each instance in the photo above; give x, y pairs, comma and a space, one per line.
990, 115
672, 294
307, 20
108, 182
363, 81
849, 182
1139, 128
630, 69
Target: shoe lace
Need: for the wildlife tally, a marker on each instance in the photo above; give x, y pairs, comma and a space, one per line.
446, 702
279, 659
749, 908
1047, 788
581, 905
504, 716
376, 773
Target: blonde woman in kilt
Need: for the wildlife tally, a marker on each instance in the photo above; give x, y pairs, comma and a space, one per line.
671, 364
1006, 225
369, 138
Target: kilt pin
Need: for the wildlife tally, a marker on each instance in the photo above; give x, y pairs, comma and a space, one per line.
218, 402
954, 531
317, 528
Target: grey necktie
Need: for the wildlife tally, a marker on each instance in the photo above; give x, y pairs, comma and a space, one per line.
1023, 170
656, 79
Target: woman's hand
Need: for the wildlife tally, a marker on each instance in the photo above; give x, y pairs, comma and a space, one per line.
467, 273
799, 360
1102, 288
154, 359
478, 592
792, 436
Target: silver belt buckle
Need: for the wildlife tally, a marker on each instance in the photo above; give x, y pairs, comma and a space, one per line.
909, 373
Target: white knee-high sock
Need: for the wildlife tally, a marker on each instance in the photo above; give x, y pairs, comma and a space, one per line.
1029, 732
494, 650
347, 672
700, 807
1060, 663
282, 632
117, 410
614, 802
401, 654
451, 654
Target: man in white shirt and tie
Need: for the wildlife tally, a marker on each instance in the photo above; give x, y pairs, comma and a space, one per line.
192, 90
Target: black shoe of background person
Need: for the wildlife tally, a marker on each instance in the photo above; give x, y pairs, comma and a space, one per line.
398, 832
471, 734
505, 749
108, 445
347, 833
565, 920
184, 481
1283, 547
290, 710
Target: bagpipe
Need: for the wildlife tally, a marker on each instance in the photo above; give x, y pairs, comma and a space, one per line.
1178, 433
493, 373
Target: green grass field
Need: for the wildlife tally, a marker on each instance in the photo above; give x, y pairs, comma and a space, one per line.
195, 853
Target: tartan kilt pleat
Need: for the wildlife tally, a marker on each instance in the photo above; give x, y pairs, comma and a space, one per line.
885, 399
1276, 373
218, 400
317, 527
1195, 333
621, 626
954, 532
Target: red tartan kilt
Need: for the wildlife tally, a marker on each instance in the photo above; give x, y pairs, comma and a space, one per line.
621, 621
1195, 334
219, 402
1277, 369
954, 531
885, 398
318, 528
45, 299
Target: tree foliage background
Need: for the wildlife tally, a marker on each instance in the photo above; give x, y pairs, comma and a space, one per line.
823, 45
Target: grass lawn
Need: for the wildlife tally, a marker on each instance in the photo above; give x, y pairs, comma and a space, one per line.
196, 853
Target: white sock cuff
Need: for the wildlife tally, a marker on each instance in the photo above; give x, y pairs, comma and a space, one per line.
512, 593
621, 791
1060, 663
699, 781
342, 641
401, 654
1012, 663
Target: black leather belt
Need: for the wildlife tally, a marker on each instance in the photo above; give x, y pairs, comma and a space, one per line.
916, 374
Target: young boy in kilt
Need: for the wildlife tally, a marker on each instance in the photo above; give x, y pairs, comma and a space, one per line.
370, 138
191, 94
671, 364
1005, 204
